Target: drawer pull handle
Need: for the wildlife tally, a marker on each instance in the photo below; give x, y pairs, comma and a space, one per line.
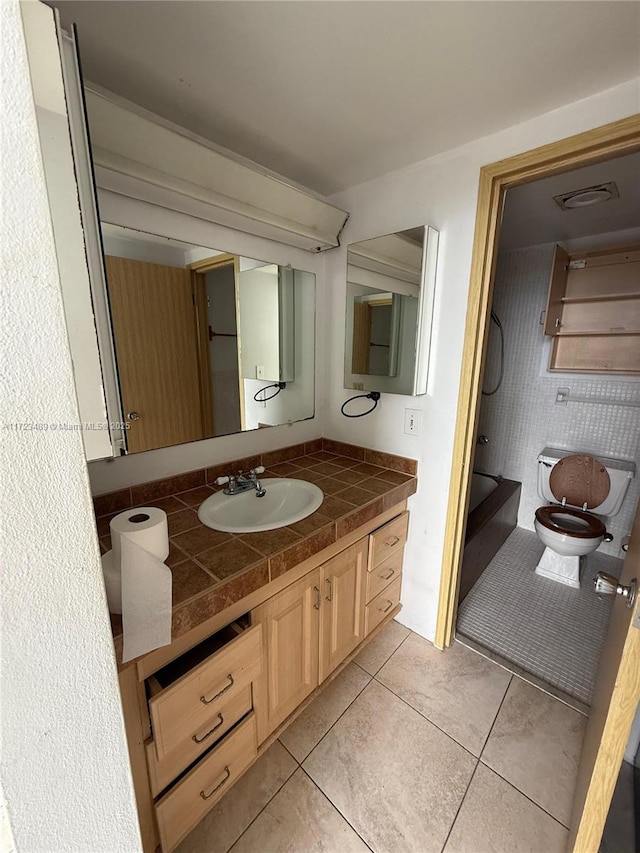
220, 692
390, 575
392, 542
204, 737
330, 596
218, 786
387, 608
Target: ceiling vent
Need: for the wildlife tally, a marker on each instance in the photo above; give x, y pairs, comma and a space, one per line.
587, 197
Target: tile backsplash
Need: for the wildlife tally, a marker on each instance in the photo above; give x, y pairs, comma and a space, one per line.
523, 416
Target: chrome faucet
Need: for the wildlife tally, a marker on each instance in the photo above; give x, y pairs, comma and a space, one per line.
238, 483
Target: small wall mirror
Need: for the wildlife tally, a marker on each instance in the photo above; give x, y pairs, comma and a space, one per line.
206, 343
390, 291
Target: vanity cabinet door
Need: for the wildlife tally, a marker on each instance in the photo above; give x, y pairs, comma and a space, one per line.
290, 623
342, 610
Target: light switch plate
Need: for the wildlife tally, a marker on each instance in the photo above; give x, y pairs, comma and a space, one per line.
412, 421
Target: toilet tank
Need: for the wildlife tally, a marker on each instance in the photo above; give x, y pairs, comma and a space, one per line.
620, 473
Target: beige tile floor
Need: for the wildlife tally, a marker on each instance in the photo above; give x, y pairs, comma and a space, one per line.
409, 750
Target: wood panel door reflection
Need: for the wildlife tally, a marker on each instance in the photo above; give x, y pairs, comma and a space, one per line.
154, 327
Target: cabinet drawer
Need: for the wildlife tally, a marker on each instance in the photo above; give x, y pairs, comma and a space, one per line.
162, 773
387, 539
187, 803
187, 706
381, 576
381, 606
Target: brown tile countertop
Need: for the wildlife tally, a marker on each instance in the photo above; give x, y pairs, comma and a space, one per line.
211, 569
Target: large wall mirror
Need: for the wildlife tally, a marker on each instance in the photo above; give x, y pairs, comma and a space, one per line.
390, 292
206, 343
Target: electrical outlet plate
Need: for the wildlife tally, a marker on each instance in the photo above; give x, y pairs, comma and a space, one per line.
412, 419
259, 371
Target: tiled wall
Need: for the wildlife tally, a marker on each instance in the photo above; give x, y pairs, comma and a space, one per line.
523, 417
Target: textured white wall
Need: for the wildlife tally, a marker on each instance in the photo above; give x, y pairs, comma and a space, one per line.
522, 417
442, 192
65, 770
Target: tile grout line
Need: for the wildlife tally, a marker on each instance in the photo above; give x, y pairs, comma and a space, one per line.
486, 740
315, 746
364, 687
275, 794
287, 751
464, 797
386, 660
499, 775
333, 806
424, 717
526, 796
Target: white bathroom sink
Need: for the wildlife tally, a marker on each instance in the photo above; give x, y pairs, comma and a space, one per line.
285, 502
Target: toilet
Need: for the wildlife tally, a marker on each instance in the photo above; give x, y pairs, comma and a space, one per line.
581, 492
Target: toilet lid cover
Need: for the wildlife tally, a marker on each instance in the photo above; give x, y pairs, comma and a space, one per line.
580, 479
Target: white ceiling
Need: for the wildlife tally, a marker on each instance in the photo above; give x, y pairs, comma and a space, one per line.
531, 216
331, 94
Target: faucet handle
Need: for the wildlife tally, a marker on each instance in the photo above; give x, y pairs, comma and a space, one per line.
221, 481
258, 470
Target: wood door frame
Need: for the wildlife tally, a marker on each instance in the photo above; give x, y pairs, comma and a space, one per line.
602, 143
202, 267
199, 286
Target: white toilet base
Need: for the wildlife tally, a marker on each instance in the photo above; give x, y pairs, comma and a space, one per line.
559, 568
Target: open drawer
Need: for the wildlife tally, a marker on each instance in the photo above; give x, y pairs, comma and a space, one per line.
189, 694
200, 789
162, 772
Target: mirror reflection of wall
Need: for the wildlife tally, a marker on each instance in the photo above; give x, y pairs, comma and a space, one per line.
198, 333
390, 288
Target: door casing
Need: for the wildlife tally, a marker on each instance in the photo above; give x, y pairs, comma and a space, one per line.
602, 143
616, 692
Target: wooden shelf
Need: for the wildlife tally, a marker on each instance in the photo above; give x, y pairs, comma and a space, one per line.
593, 333
605, 297
593, 311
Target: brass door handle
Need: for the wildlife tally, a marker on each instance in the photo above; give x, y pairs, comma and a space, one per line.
316, 606
209, 733
220, 692
219, 785
390, 575
387, 608
392, 542
133, 416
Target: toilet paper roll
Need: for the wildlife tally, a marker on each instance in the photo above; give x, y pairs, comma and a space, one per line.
146, 526
140, 543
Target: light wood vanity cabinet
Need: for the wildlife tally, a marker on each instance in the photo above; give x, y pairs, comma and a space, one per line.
196, 724
308, 629
289, 624
593, 311
342, 583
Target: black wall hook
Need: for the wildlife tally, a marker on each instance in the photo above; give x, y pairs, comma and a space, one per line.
372, 395
279, 385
